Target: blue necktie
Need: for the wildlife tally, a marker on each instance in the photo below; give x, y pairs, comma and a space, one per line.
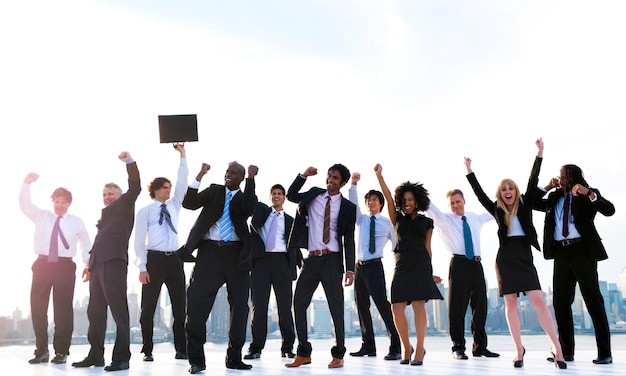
226, 226
372, 247
271, 236
168, 219
467, 236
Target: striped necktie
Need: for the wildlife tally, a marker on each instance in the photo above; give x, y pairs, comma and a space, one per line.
165, 214
226, 226
326, 234
271, 236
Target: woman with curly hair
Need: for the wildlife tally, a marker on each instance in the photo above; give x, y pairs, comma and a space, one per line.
413, 281
514, 263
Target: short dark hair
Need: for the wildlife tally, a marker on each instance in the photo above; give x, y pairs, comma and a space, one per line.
278, 186
379, 194
157, 184
62, 192
343, 171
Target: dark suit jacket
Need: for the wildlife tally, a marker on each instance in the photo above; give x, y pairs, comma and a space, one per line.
584, 212
345, 223
211, 200
257, 245
524, 212
116, 223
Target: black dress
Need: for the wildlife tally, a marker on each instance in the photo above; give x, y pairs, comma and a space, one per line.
413, 274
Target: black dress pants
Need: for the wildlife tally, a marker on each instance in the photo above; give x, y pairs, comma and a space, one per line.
466, 280
164, 268
60, 278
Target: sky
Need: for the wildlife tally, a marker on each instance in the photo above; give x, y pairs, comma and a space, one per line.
413, 85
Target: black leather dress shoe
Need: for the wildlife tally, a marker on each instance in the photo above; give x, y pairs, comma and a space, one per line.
607, 360
287, 354
88, 362
362, 352
393, 356
252, 355
117, 365
148, 358
180, 355
486, 353
43, 358
459, 355
196, 369
237, 364
59, 359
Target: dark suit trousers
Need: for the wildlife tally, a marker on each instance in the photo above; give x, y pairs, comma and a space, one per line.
107, 287
369, 281
216, 265
271, 270
466, 281
328, 270
168, 270
572, 264
59, 278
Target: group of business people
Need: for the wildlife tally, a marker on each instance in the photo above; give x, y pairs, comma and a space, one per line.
236, 240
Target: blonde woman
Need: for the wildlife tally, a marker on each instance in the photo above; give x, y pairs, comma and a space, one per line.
514, 263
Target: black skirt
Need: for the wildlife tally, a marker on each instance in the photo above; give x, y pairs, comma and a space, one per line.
514, 267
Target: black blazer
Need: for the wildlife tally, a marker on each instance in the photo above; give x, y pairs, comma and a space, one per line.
211, 200
584, 212
299, 236
116, 223
524, 212
257, 245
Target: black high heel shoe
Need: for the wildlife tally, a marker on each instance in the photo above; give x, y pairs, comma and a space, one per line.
418, 362
407, 361
520, 363
558, 363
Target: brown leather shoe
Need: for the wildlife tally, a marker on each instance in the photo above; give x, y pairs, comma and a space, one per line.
299, 361
336, 363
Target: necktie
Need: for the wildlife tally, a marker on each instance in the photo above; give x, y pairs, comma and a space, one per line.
226, 226
271, 236
467, 236
566, 216
168, 219
372, 234
326, 236
53, 254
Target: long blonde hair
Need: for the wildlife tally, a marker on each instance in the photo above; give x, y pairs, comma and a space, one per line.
513, 212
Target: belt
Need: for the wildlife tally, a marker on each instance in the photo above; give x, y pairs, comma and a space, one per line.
320, 252
45, 257
163, 253
475, 258
566, 242
221, 243
369, 261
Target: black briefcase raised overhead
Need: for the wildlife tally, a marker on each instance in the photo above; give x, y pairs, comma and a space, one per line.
178, 128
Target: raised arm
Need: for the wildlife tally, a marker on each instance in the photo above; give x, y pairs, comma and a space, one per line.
391, 207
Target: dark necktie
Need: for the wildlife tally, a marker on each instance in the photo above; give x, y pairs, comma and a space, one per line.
566, 216
326, 235
372, 247
53, 254
467, 236
168, 219
226, 226
271, 236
